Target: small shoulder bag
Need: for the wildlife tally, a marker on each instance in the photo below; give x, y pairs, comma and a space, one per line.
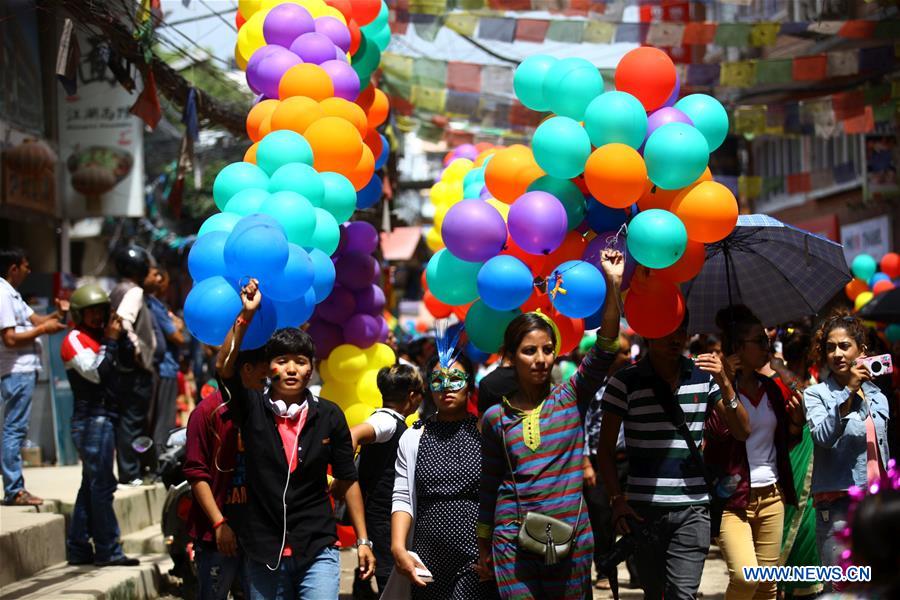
541, 534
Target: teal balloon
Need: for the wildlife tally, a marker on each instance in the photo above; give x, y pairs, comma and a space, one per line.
224, 221
616, 118
236, 177
561, 146
474, 176
327, 233
864, 267
295, 213
528, 81
382, 38
366, 59
708, 115
676, 154
282, 147
892, 332
246, 202
572, 90
340, 196
300, 178
473, 190
452, 281
378, 22
568, 195
485, 326
656, 238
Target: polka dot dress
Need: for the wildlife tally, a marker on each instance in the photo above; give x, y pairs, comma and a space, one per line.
448, 475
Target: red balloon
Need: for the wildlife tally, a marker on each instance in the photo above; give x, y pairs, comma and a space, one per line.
537, 300
239, 19
462, 310
572, 248
355, 35
344, 7
535, 262
438, 309
882, 286
655, 308
688, 266
855, 288
648, 74
570, 330
365, 11
890, 264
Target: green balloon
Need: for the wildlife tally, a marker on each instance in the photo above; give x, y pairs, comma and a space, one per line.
567, 193
382, 38
864, 267
561, 147
366, 59
299, 178
282, 147
236, 177
340, 196
676, 155
616, 118
708, 115
656, 238
574, 89
486, 326
246, 202
452, 281
327, 233
528, 81
294, 212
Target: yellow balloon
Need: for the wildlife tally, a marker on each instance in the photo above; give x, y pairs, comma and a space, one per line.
315, 7
358, 413
324, 371
502, 207
250, 37
379, 356
457, 170
367, 389
248, 7
331, 11
342, 394
863, 299
239, 59
347, 363
442, 193
439, 215
433, 239
411, 419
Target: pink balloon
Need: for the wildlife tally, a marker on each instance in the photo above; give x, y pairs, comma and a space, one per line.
537, 222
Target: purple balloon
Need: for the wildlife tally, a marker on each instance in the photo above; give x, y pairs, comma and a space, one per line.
467, 151
313, 48
338, 307
597, 245
285, 23
362, 330
485, 194
340, 55
537, 222
361, 237
473, 230
334, 30
675, 91
326, 336
356, 270
345, 80
664, 116
385, 331
264, 70
370, 301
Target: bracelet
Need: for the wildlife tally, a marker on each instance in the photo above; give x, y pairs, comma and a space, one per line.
220, 523
240, 321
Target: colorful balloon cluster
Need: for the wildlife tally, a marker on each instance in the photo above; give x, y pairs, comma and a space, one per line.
868, 281
564, 199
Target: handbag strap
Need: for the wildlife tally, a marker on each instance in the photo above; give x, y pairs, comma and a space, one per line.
512, 476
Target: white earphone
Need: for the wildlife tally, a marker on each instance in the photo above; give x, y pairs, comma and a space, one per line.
283, 410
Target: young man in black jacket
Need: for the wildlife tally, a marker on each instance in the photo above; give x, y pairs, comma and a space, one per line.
290, 439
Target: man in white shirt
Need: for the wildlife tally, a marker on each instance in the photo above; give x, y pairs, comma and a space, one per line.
20, 361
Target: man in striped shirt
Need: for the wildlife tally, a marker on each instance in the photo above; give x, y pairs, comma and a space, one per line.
665, 484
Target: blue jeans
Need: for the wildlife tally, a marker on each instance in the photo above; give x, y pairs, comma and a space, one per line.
93, 517
216, 572
16, 389
321, 580
831, 517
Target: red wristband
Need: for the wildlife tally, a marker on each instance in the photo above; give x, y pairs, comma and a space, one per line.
220, 523
241, 321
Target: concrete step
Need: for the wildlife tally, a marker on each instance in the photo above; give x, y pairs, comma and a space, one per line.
144, 582
29, 542
148, 540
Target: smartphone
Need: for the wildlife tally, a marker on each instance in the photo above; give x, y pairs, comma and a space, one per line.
878, 365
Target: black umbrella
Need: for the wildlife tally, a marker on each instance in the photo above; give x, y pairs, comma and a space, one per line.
884, 308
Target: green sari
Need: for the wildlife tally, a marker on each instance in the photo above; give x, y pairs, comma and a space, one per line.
798, 543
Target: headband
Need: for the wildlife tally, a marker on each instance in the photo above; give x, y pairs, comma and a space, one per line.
553, 326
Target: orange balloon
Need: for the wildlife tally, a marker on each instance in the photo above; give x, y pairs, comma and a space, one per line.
366, 98
438, 309
688, 266
296, 114
615, 175
656, 197
485, 154
570, 330
855, 288
336, 144
362, 172
250, 154
510, 172
373, 140
265, 128
655, 309
708, 210
257, 114
355, 35
378, 111
462, 310
338, 107
306, 79
880, 287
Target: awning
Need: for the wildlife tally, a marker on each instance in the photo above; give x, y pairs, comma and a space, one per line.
401, 243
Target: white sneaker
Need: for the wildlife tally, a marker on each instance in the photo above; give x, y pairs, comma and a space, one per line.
132, 484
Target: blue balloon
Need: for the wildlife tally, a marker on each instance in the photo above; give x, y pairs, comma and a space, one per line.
261, 327
594, 321
504, 282
382, 158
878, 277
296, 312
474, 354
323, 274
300, 178
603, 218
224, 221
294, 280
584, 285
210, 309
207, 256
370, 194
256, 247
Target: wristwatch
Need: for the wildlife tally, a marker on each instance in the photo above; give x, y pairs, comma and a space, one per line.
363, 542
733, 403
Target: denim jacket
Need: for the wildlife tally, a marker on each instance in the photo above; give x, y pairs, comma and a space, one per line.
839, 459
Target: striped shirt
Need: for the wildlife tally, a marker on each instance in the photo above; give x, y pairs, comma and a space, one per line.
660, 468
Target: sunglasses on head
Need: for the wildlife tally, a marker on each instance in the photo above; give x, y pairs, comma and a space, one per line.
450, 380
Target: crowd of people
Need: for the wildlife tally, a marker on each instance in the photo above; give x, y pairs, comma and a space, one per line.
511, 481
